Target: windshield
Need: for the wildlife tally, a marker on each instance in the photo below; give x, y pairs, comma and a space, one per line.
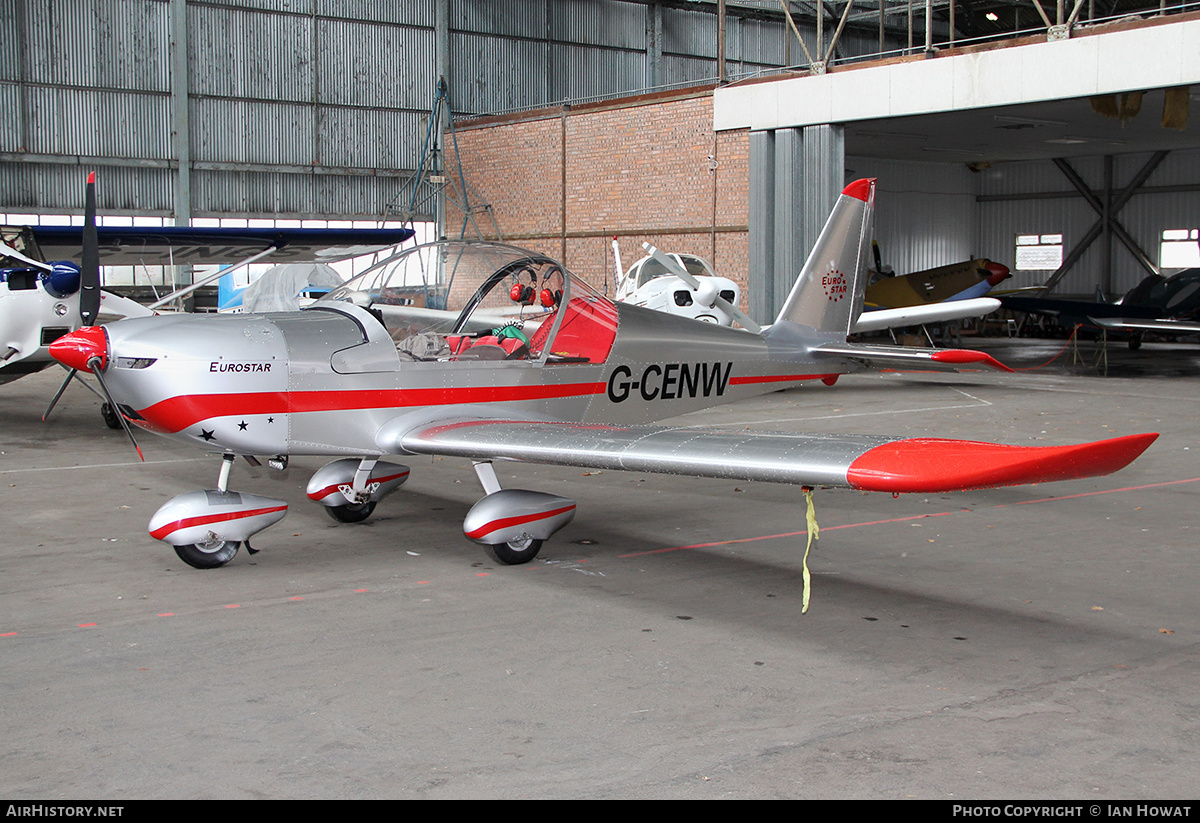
463, 295
651, 268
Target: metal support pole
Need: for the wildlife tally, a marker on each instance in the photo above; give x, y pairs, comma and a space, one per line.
881, 20
181, 140
1106, 268
820, 27
928, 27
791, 22
721, 42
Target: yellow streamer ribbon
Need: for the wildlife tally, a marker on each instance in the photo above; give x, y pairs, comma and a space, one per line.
814, 533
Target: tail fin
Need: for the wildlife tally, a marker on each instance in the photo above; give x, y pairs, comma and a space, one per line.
229, 293
828, 295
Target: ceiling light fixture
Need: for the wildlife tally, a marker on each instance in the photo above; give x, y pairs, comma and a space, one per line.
1026, 121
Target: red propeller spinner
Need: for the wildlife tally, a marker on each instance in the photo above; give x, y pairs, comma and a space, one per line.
75, 350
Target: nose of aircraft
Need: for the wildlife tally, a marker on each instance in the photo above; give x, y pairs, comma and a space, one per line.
997, 272
75, 350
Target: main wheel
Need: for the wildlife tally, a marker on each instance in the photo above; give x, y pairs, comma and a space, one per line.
351, 512
110, 416
208, 555
514, 552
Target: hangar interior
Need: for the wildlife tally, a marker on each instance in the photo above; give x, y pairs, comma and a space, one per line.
1024, 641
286, 109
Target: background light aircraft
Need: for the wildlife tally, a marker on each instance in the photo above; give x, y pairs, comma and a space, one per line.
364, 374
42, 301
957, 281
650, 283
1166, 305
286, 287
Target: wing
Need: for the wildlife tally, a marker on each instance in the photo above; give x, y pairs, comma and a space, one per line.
864, 462
916, 315
179, 245
1136, 324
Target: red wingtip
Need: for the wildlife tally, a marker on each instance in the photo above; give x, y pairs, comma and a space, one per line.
860, 189
968, 357
91, 178
927, 465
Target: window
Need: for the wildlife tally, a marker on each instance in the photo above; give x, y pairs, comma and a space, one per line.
1039, 252
1180, 249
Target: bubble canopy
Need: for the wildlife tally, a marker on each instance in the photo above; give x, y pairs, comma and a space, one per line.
473, 294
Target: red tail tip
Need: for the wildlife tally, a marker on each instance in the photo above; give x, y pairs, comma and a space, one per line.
91, 178
860, 189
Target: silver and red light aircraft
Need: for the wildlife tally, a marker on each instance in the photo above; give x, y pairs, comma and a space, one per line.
484, 370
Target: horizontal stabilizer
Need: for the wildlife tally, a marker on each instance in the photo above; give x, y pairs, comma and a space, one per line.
903, 357
865, 462
917, 315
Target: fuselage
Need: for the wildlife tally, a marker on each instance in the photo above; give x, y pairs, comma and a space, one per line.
329, 379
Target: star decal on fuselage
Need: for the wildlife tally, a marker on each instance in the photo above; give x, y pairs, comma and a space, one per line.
206, 434
242, 426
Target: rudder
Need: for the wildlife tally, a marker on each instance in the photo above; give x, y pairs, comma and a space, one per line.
828, 294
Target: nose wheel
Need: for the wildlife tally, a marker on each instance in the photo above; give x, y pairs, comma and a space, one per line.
209, 554
514, 552
111, 419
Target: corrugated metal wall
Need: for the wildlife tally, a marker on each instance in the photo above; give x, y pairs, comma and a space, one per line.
1145, 217
295, 107
925, 214
931, 214
310, 107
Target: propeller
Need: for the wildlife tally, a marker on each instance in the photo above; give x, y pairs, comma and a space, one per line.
86, 349
89, 289
709, 297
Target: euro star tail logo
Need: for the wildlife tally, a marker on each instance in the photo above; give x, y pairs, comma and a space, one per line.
834, 283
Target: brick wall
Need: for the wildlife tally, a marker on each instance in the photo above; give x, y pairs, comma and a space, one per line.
644, 169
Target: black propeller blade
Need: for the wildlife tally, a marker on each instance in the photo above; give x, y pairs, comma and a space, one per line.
89, 290
66, 382
89, 279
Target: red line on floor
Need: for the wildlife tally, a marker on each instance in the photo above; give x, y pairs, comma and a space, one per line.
903, 519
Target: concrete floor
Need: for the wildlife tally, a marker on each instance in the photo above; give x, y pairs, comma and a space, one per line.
1035, 642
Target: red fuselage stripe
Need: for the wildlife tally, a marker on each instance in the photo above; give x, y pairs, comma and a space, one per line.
203, 520
506, 522
178, 413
